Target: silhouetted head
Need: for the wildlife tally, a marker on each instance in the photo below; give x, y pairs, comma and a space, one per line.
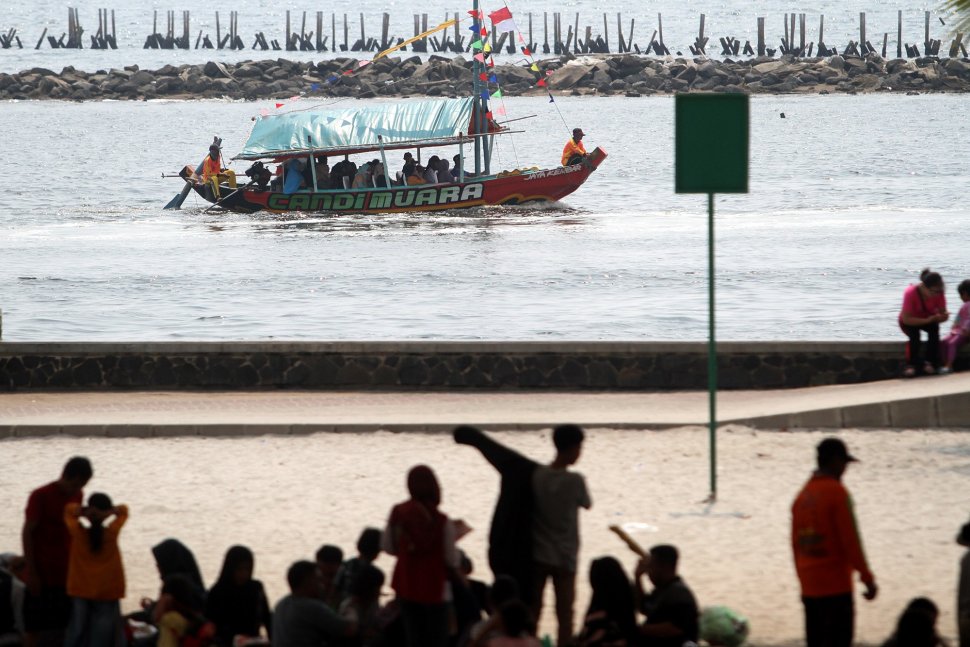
568, 440
833, 457
369, 544
329, 559
932, 281
75, 475
964, 289
304, 579
186, 596
663, 564
214, 152
367, 583
423, 486
917, 625
578, 133
173, 558
100, 508
237, 566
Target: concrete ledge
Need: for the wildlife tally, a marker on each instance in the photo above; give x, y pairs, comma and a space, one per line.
407, 365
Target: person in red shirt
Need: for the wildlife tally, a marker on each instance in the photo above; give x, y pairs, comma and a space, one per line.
827, 549
423, 540
924, 309
574, 151
47, 546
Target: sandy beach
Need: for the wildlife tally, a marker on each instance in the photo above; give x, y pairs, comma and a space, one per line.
285, 496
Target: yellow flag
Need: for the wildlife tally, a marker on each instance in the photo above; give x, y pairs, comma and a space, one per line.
488, 47
444, 25
534, 68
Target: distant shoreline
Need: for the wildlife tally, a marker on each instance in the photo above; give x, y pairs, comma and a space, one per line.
596, 75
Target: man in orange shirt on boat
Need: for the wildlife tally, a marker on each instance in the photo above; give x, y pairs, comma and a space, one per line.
574, 151
827, 549
213, 173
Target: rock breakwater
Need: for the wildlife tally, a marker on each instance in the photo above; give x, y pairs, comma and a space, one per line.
623, 74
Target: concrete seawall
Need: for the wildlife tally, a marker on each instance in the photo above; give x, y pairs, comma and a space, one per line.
623, 74
493, 366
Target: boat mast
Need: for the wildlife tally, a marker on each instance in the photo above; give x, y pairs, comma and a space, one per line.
481, 104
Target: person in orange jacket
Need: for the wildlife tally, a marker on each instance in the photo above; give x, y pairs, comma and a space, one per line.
574, 150
827, 549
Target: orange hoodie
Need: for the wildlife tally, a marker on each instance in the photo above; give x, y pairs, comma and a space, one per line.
825, 539
100, 575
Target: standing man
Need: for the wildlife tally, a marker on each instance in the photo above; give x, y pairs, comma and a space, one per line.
827, 549
574, 151
558, 495
47, 546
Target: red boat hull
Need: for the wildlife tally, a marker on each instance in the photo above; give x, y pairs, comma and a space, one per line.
517, 187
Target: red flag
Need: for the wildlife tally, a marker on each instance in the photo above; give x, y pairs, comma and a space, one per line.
483, 76
541, 82
527, 51
488, 115
500, 15
280, 105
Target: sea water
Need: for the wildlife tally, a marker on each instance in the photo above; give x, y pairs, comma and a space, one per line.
850, 197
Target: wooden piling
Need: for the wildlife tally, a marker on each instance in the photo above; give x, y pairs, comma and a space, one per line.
885, 42
802, 23
545, 32
927, 46
531, 42
619, 33
606, 33
761, 36
576, 31
862, 27
899, 34
660, 31
791, 33
786, 39
386, 28
700, 35
343, 48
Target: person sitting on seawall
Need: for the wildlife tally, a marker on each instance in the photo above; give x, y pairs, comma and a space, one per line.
924, 309
574, 151
213, 173
671, 609
960, 333
917, 626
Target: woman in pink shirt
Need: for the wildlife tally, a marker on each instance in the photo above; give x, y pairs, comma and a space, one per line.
924, 309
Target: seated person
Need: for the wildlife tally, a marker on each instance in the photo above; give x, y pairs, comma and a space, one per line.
237, 603
293, 175
671, 609
444, 170
408, 160
377, 173
431, 170
456, 169
414, 174
363, 606
363, 176
322, 172
11, 599
213, 174
302, 618
341, 170
329, 560
176, 614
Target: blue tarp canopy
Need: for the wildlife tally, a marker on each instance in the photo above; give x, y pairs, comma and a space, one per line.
350, 130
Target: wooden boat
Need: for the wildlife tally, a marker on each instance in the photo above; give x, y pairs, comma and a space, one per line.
296, 140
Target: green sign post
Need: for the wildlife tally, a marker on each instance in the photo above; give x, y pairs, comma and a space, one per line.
711, 156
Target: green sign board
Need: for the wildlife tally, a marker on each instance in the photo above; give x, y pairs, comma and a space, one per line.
711, 143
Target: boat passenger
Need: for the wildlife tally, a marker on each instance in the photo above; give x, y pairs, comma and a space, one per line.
377, 172
408, 160
456, 169
431, 170
341, 170
363, 176
414, 174
574, 151
322, 171
213, 173
444, 170
293, 175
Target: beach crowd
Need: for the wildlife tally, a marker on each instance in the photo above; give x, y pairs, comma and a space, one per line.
66, 586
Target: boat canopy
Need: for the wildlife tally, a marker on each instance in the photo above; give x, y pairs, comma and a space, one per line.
412, 124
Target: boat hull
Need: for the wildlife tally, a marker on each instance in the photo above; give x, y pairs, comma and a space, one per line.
504, 189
